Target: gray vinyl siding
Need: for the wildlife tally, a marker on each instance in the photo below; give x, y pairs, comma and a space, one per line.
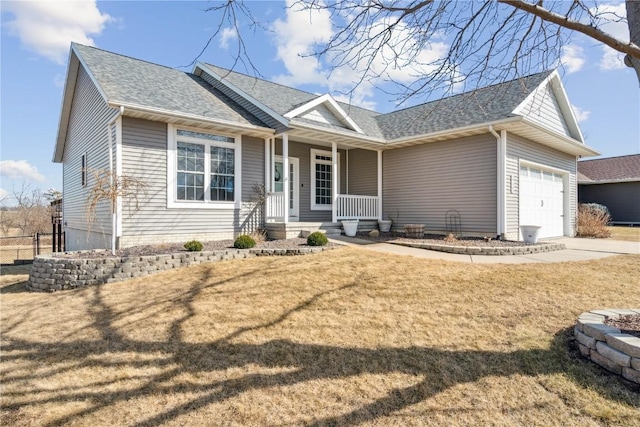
363, 172
421, 183
144, 155
544, 110
303, 152
621, 198
522, 149
87, 133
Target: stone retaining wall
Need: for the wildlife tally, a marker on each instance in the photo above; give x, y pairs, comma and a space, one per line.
50, 273
486, 250
606, 345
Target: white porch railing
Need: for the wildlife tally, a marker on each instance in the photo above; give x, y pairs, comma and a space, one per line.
275, 206
358, 207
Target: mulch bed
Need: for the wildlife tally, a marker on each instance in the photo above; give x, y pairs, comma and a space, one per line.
438, 239
172, 248
628, 324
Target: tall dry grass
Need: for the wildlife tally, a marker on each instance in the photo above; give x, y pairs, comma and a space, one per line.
345, 337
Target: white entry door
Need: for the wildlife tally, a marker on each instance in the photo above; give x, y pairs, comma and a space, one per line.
542, 200
294, 184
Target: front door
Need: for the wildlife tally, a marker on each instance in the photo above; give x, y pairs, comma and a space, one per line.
294, 184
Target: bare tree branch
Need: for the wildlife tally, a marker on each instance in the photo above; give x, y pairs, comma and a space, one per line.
586, 29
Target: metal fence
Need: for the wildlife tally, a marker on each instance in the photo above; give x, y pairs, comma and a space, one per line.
15, 250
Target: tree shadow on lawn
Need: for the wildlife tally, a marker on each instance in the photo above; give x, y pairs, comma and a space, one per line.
437, 369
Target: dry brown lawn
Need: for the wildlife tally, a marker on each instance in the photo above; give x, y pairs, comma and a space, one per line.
339, 338
631, 234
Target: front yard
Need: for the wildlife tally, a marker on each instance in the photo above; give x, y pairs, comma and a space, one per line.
342, 337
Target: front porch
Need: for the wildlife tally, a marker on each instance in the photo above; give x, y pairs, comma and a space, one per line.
307, 187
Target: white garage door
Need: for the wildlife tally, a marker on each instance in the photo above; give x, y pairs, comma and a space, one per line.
542, 200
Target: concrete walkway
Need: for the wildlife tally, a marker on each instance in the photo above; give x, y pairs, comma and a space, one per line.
577, 250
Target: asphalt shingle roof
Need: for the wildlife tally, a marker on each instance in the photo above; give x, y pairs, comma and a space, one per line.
133, 81
480, 106
620, 168
476, 107
282, 99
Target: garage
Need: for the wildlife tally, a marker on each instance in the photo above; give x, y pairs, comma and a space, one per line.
542, 200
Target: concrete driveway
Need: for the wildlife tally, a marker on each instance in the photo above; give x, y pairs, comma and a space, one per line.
577, 250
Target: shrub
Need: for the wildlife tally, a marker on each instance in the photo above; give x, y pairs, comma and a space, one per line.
244, 242
592, 220
193, 246
317, 239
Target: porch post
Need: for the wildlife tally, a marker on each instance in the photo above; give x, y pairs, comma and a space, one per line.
285, 175
267, 177
334, 182
272, 163
380, 184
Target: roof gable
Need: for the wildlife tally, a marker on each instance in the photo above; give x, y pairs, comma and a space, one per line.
283, 99
612, 169
137, 84
324, 109
548, 106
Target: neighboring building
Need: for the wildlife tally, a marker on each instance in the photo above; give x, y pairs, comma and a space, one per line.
613, 182
501, 156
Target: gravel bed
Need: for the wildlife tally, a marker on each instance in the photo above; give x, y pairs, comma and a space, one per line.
172, 248
438, 239
628, 324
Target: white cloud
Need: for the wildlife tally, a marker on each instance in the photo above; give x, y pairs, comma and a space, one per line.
3, 193
611, 18
302, 31
611, 59
572, 58
226, 36
48, 27
581, 115
20, 169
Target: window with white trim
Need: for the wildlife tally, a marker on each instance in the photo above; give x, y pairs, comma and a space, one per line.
203, 169
321, 179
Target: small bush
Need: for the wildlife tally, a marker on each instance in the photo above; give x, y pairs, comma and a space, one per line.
593, 220
244, 242
193, 246
317, 239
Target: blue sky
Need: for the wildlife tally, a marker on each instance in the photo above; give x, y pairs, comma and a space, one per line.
35, 39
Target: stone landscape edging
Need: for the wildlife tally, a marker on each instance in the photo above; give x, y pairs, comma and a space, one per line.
606, 345
50, 273
485, 250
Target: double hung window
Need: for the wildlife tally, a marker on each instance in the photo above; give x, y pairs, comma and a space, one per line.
205, 169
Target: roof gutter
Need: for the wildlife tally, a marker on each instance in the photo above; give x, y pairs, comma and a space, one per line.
579, 146
446, 132
177, 115
294, 124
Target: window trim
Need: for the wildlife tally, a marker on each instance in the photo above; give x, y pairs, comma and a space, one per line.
312, 177
172, 146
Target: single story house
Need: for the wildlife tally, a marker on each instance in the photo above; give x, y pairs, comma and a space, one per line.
613, 182
213, 144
